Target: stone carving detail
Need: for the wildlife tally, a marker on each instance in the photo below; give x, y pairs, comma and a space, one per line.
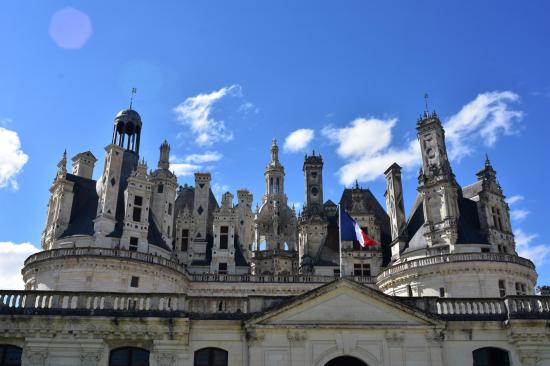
394, 338
296, 337
166, 358
90, 358
254, 337
35, 357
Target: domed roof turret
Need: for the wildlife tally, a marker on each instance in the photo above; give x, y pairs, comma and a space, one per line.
128, 115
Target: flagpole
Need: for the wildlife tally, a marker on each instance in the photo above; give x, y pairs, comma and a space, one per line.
340, 239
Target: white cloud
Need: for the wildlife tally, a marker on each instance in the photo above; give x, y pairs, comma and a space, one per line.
12, 256
195, 112
207, 157
192, 163
298, 140
537, 253
12, 158
518, 215
482, 120
366, 144
219, 190
184, 169
514, 199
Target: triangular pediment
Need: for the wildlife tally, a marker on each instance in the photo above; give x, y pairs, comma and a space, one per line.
342, 303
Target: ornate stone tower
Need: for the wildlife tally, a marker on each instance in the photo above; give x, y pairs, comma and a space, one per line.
276, 235
245, 218
121, 159
59, 205
312, 224
223, 248
200, 214
137, 200
493, 211
396, 209
164, 194
437, 184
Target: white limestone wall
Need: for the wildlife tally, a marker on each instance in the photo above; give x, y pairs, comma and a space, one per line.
107, 274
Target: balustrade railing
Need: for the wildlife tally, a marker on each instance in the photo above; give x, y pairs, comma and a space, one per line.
456, 257
98, 303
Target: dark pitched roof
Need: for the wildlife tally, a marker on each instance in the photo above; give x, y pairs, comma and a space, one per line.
154, 236
84, 209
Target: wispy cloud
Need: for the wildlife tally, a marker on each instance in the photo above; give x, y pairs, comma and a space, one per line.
189, 164
366, 143
196, 113
207, 157
12, 158
12, 256
514, 199
538, 253
519, 214
482, 120
298, 140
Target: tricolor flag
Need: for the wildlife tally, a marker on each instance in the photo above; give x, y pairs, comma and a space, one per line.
350, 230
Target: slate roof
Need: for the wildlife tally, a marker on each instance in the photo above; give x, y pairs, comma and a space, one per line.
469, 229
84, 207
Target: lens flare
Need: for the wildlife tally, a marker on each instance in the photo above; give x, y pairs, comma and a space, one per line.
70, 28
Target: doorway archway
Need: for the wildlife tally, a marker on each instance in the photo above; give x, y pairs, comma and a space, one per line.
345, 361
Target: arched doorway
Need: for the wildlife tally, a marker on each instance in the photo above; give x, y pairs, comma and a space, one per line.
345, 361
491, 356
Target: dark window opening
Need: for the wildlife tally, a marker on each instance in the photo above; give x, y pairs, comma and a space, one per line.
133, 244
409, 291
442, 292
210, 357
169, 209
160, 188
313, 174
337, 272
136, 214
129, 356
134, 282
224, 237
10, 355
138, 200
222, 268
184, 239
361, 269
485, 250
490, 356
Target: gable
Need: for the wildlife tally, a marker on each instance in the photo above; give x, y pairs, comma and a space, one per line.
344, 303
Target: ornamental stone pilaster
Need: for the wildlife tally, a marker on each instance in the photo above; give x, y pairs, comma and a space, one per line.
395, 340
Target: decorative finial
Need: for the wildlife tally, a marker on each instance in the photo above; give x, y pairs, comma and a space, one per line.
487, 161
134, 91
356, 184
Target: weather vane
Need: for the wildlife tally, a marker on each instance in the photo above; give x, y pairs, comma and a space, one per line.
134, 91
426, 101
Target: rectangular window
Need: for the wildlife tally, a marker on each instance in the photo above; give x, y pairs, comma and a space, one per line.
169, 209
160, 188
361, 269
442, 292
337, 272
136, 215
138, 201
184, 239
485, 250
501, 288
134, 282
133, 244
224, 237
222, 268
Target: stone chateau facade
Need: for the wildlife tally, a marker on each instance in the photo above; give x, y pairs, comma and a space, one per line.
138, 270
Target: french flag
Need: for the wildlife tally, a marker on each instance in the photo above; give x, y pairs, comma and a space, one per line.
350, 230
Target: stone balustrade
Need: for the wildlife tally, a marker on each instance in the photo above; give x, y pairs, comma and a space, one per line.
453, 258
165, 304
509, 307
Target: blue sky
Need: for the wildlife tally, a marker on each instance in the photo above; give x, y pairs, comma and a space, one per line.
219, 80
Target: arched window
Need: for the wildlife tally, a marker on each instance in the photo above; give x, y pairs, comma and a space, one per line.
491, 356
345, 360
10, 355
210, 357
129, 356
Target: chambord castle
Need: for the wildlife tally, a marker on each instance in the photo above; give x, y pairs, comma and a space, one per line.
137, 270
